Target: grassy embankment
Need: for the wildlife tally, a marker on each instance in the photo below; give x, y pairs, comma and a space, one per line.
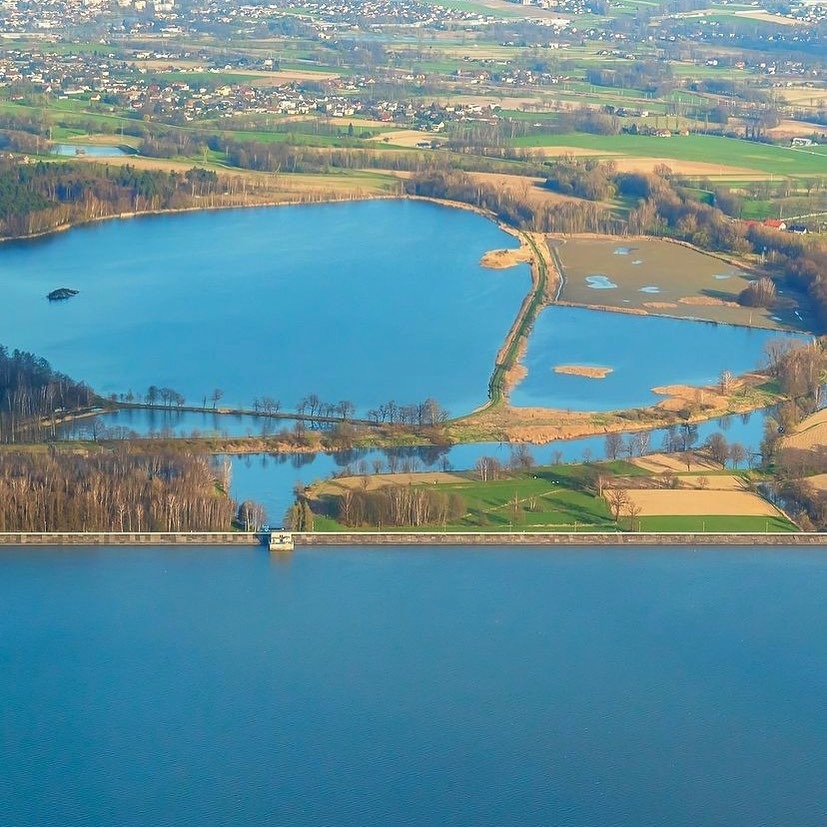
509, 355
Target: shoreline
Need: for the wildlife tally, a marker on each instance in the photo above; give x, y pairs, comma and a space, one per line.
557, 539
548, 279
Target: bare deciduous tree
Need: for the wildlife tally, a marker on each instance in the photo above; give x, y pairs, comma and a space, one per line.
618, 499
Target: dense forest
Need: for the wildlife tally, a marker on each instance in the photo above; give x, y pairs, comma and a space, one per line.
33, 395
36, 198
121, 490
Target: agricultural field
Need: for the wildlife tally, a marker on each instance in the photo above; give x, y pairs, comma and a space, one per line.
809, 434
691, 155
582, 497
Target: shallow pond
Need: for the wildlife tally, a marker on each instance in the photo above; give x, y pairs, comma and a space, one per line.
92, 150
643, 352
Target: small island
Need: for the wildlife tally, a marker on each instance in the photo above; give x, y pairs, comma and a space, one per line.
588, 371
61, 294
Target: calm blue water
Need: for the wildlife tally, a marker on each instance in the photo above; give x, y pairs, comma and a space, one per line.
413, 687
88, 149
356, 301
270, 479
644, 352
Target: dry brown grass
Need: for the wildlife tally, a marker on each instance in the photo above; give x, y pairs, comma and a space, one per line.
406, 137
503, 259
819, 482
707, 301
531, 190
810, 433
681, 503
693, 168
371, 482
682, 396
714, 482
674, 463
789, 129
767, 17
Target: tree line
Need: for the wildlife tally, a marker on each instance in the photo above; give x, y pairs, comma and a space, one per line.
395, 505
120, 490
511, 207
33, 395
36, 198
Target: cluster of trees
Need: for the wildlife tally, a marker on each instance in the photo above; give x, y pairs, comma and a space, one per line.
722, 451
164, 396
32, 395
799, 496
759, 293
428, 412
121, 490
590, 179
491, 468
396, 505
38, 197
799, 370
654, 77
509, 206
801, 260
300, 516
312, 406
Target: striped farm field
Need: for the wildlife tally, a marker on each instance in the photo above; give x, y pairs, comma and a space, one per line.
809, 433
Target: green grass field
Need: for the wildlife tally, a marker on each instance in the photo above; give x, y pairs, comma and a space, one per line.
562, 498
715, 523
728, 152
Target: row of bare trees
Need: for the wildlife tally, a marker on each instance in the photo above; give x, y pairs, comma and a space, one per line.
120, 490
397, 505
428, 412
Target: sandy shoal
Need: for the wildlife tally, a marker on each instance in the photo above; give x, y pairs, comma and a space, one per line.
502, 259
583, 370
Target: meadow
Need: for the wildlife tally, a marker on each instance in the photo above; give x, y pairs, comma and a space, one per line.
723, 156
565, 498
